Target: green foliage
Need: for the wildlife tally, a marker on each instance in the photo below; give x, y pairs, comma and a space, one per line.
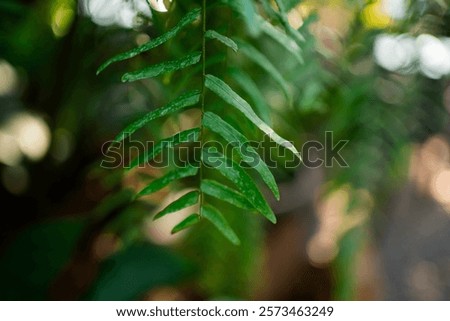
35, 257
132, 272
212, 34
248, 196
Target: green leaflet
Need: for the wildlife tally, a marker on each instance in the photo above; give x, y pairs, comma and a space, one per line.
247, 10
188, 99
290, 4
187, 222
186, 20
282, 17
212, 34
243, 147
184, 201
217, 219
258, 58
249, 86
165, 180
164, 67
228, 95
280, 37
240, 178
185, 136
225, 193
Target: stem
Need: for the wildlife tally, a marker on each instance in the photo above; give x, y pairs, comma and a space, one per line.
203, 96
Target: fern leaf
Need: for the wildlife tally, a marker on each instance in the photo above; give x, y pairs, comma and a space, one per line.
231, 135
165, 180
229, 96
247, 10
185, 136
285, 41
283, 19
240, 178
164, 67
212, 34
187, 222
249, 86
225, 193
184, 101
288, 5
188, 199
261, 60
185, 21
217, 219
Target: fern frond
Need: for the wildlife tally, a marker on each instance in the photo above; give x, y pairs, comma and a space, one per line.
247, 195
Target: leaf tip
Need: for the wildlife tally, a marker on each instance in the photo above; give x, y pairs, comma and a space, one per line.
125, 77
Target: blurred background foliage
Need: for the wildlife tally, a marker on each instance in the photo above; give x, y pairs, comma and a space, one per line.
375, 73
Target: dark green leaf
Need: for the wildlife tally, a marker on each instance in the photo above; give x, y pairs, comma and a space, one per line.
217, 219
243, 148
113, 202
225, 193
184, 201
258, 58
228, 95
185, 136
250, 87
31, 262
184, 101
165, 180
132, 272
164, 67
186, 20
187, 222
212, 34
240, 178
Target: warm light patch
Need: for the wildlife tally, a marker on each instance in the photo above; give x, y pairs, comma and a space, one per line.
335, 219
62, 16
375, 17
